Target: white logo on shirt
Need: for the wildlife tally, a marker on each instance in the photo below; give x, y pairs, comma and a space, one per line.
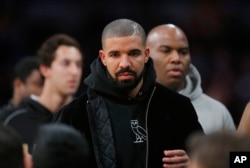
140, 133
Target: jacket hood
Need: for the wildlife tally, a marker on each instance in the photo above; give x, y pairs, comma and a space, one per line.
33, 105
193, 84
99, 82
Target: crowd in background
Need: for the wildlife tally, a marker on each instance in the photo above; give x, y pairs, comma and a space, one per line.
218, 32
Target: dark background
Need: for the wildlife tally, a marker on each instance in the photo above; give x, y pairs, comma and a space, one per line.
218, 33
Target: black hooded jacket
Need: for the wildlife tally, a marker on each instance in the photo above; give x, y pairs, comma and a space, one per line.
27, 118
128, 132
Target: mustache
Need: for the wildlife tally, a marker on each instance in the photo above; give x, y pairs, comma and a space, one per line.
125, 70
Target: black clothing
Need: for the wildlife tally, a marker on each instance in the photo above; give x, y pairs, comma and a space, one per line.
27, 118
4, 110
130, 132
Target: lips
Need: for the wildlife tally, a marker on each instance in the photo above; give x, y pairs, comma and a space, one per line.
72, 83
176, 72
125, 76
125, 73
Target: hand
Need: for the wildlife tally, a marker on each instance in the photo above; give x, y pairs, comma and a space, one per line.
175, 159
27, 158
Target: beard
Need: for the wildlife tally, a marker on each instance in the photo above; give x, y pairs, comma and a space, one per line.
126, 85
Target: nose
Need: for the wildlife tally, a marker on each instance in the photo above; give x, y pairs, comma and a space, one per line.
125, 62
175, 57
74, 69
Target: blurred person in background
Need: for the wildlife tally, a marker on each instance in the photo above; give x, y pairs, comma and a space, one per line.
12, 153
26, 81
172, 60
213, 150
60, 59
58, 145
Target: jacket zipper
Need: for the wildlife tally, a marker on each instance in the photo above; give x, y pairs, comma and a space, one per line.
146, 123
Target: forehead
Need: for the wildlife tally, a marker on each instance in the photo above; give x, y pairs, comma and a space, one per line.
68, 52
170, 37
123, 43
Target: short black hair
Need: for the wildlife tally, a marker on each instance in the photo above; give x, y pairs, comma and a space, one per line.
58, 145
122, 28
25, 67
11, 150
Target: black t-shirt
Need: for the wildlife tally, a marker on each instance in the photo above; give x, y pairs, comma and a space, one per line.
128, 126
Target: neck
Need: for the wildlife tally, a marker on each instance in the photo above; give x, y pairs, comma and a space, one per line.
53, 100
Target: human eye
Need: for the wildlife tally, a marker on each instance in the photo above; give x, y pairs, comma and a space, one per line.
165, 50
114, 54
135, 53
184, 51
79, 64
65, 62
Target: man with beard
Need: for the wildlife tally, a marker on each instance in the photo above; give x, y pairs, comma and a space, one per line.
127, 117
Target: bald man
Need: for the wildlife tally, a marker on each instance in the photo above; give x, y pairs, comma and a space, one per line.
169, 49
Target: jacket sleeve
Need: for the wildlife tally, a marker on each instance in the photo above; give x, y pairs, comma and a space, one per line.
192, 117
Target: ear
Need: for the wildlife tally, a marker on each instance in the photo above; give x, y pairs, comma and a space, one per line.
102, 57
147, 52
44, 70
17, 83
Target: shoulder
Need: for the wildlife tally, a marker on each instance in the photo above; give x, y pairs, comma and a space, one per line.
175, 108
174, 104
73, 109
173, 101
77, 103
14, 114
28, 110
165, 92
209, 102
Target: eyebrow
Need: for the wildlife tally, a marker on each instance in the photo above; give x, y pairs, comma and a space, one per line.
167, 46
135, 50
164, 46
116, 51
113, 51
